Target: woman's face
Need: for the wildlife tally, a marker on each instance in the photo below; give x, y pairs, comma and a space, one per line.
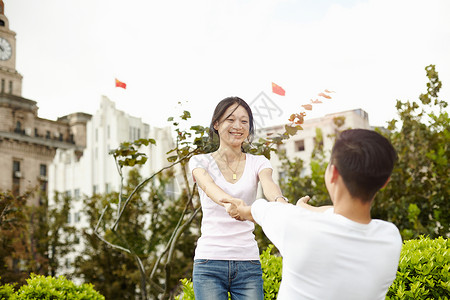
233, 127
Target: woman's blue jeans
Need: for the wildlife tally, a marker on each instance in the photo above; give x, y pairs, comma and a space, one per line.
213, 279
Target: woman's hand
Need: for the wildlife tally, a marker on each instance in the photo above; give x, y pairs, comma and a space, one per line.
237, 209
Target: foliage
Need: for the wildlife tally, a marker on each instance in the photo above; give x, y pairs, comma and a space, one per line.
113, 273
41, 287
21, 250
147, 225
423, 271
272, 267
6, 291
297, 181
33, 238
416, 199
57, 235
187, 290
13, 225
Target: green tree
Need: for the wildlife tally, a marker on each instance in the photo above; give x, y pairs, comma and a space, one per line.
33, 238
14, 244
57, 236
416, 199
113, 273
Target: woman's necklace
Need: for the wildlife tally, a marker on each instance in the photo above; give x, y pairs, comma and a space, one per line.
237, 166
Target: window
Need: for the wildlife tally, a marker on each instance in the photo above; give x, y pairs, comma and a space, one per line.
10, 87
77, 217
94, 189
300, 145
3, 85
47, 134
69, 218
43, 178
16, 166
76, 194
67, 263
43, 170
16, 178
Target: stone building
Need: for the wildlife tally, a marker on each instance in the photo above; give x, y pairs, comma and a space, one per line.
28, 143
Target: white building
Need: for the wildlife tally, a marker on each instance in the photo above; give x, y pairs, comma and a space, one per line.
93, 171
302, 144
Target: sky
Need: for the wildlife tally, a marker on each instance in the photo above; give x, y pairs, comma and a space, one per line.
188, 55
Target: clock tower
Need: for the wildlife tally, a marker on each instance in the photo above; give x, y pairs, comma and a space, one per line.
10, 79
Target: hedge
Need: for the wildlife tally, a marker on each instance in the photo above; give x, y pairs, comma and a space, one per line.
41, 287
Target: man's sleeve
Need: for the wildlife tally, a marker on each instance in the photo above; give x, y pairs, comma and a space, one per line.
272, 217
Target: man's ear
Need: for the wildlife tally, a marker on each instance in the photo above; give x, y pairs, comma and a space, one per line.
387, 181
334, 173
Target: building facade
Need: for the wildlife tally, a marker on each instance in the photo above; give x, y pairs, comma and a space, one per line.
28, 143
94, 171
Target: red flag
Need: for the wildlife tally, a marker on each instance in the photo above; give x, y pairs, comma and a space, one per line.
121, 84
307, 106
278, 89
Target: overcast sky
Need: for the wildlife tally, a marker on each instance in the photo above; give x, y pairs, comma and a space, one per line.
370, 52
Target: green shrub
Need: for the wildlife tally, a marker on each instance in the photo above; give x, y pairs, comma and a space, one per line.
6, 291
41, 287
188, 290
423, 271
271, 267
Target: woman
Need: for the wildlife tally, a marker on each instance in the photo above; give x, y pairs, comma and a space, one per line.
227, 255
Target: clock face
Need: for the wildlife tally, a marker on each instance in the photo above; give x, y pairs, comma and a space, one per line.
5, 49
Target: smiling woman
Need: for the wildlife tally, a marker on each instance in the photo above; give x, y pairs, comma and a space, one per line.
227, 247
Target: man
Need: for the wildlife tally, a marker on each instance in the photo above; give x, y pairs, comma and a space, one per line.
336, 252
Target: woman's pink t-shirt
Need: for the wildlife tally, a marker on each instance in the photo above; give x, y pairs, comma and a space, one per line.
222, 237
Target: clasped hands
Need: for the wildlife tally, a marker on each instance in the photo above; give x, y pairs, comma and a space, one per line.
237, 209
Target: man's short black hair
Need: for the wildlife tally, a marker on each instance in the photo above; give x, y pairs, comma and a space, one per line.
365, 160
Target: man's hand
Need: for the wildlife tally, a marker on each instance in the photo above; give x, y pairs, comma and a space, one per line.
237, 209
303, 200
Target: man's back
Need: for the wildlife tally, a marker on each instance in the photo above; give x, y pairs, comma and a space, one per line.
327, 256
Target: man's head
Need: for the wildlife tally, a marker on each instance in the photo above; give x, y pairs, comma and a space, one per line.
364, 160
